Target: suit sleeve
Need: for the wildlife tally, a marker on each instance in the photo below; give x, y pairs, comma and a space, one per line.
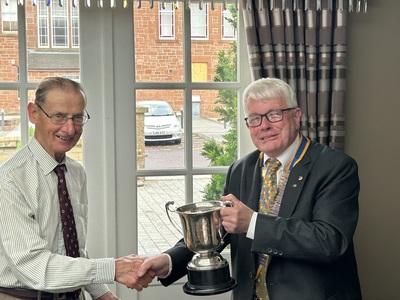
180, 256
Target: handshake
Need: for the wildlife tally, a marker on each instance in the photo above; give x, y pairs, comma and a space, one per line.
136, 272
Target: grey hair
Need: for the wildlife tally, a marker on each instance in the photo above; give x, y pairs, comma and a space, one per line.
62, 83
265, 89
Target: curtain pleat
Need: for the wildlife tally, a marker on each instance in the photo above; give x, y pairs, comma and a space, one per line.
306, 47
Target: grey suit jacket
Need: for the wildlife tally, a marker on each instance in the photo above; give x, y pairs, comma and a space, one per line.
311, 241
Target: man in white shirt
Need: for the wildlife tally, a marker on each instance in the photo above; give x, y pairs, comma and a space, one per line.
33, 259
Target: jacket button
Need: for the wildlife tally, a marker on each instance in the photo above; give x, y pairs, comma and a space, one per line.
269, 250
280, 252
275, 251
250, 274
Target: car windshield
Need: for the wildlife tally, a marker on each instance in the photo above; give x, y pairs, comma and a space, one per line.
158, 110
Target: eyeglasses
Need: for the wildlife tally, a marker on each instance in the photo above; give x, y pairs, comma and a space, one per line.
60, 119
272, 116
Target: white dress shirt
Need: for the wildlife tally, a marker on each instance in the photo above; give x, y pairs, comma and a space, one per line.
285, 159
32, 253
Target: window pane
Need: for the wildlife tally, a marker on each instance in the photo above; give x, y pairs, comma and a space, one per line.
167, 20
156, 232
59, 15
9, 59
9, 17
229, 23
10, 130
75, 25
43, 21
157, 59
199, 19
214, 59
159, 129
57, 30
214, 127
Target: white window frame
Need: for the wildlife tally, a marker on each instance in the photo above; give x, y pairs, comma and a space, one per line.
228, 32
108, 148
54, 19
9, 16
200, 20
74, 24
43, 25
166, 17
59, 23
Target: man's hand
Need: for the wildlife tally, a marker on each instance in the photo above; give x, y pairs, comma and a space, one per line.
235, 219
159, 265
126, 272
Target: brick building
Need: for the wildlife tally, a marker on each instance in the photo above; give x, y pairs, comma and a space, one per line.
53, 48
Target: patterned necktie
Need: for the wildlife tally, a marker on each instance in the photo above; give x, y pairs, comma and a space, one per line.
67, 220
267, 198
270, 186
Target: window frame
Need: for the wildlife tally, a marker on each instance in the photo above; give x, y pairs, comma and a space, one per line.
226, 24
165, 10
10, 12
199, 32
56, 23
107, 157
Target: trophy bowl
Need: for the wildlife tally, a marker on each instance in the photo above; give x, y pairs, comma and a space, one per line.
208, 271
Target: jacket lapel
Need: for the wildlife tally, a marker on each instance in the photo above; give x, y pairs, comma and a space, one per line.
253, 181
294, 186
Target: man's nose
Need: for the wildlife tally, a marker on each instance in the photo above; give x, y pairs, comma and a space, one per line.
265, 122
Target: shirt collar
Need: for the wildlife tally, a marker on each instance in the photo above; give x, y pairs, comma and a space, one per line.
45, 161
286, 156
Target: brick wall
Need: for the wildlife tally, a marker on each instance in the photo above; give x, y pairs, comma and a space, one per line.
156, 59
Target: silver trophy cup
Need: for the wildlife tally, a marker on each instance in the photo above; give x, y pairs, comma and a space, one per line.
208, 271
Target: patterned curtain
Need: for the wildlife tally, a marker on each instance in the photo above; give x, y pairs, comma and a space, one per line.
303, 43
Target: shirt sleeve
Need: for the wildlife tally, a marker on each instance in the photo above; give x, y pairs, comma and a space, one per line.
252, 226
25, 256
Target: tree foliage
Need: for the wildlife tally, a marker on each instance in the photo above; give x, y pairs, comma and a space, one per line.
223, 153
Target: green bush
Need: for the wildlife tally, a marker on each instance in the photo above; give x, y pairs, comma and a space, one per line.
223, 153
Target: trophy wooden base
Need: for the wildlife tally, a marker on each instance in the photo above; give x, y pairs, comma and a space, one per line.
209, 282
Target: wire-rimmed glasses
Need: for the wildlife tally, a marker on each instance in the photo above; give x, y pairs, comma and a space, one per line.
60, 119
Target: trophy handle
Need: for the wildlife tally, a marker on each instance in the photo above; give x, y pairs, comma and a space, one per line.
168, 209
227, 203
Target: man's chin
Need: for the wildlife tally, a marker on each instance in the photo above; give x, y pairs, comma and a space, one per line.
65, 147
269, 149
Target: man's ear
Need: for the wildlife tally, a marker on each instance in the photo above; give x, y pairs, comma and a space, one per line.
32, 112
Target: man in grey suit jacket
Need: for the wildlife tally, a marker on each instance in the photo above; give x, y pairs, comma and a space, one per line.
308, 234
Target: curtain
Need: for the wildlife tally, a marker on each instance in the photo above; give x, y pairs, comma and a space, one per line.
303, 43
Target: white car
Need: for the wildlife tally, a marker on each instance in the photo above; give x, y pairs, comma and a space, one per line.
160, 122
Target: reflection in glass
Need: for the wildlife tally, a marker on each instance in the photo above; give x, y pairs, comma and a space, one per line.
155, 231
